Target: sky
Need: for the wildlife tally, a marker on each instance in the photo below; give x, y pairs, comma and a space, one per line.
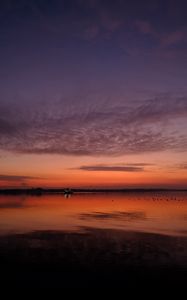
93, 93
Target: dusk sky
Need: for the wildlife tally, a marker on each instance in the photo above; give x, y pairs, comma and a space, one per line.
93, 93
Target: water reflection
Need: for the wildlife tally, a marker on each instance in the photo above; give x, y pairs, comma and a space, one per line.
163, 212
67, 195
125, 216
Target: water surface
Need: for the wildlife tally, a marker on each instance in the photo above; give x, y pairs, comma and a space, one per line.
150, 212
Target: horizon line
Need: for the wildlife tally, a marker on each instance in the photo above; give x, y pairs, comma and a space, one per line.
82, 190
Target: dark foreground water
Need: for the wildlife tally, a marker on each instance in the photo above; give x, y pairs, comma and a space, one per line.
94, 240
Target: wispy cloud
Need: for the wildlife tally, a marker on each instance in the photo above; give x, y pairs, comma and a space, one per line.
173, 38
144, 27
90, 19
182, 166
168, 42
152, 125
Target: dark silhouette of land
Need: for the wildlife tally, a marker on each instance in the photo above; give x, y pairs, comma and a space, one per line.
41, 191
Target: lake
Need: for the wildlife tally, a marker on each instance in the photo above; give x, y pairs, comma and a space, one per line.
161, 212
94, 240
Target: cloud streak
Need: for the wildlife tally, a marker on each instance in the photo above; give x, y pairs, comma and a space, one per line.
112, 168
15, 178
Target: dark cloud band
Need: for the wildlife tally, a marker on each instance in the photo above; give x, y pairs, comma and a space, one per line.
112, 168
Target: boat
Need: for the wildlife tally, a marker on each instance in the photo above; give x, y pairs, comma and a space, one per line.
68, 192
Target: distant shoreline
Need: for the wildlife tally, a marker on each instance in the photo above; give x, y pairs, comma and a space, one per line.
41, 191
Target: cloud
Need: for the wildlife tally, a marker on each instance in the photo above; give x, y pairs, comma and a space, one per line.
127, 168
140, 165
144, 27
157, 124
182, 166
15, 178
173, 38
93, 18
165, 39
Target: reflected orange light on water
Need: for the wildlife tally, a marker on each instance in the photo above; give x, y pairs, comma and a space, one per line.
164, 213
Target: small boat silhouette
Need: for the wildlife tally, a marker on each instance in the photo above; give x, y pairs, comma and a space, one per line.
68, 192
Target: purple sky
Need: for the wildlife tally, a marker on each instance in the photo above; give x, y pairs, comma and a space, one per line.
93, 86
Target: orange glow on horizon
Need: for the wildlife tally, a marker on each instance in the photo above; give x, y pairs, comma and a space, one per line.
60, 171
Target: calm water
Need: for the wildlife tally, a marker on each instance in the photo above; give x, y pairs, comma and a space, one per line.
162, 212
